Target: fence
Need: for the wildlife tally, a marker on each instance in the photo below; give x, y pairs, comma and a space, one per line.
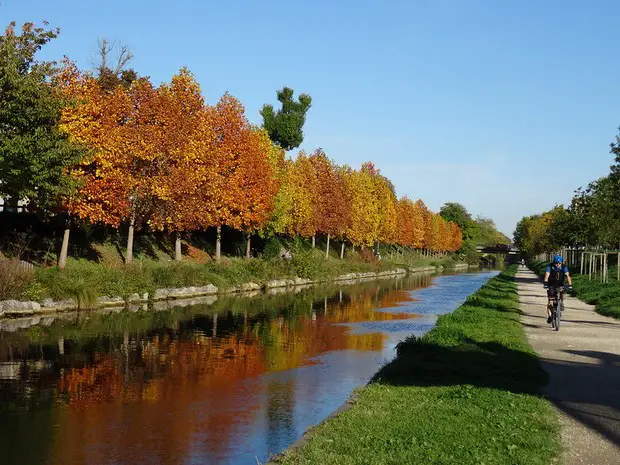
21, 206
594, 263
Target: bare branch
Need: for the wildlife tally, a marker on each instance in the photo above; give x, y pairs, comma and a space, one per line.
124, 57
104, 56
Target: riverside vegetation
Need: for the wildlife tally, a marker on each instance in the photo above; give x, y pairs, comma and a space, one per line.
86, 280
466, 392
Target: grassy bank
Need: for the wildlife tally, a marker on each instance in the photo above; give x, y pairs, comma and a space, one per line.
86, 280
604, 296
465, 393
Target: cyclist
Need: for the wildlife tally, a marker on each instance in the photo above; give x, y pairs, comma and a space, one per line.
555, 274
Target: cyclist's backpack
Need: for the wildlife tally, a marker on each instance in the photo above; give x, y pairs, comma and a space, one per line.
556, 277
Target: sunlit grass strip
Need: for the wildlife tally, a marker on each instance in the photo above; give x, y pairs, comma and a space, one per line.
465, 393
604, 296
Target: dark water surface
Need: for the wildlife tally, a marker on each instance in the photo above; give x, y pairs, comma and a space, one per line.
226, 382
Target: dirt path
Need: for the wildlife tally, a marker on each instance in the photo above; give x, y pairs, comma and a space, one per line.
583, 362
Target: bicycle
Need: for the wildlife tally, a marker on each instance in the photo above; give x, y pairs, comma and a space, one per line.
557, 306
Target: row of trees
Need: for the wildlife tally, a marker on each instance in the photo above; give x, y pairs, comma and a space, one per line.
113, 148
475, 231
592, 220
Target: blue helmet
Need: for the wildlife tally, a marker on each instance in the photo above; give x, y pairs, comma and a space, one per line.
558, 259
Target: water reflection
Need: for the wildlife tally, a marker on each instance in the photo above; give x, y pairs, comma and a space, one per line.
217, 383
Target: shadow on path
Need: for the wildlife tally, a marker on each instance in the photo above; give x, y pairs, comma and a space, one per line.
583, 383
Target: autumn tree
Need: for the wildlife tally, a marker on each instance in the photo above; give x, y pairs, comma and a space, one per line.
387, 204
122, 129
185, 159
256, 181
365, 211
294, 212
247, 172
425, 224
405, 218
332, 207
285, 126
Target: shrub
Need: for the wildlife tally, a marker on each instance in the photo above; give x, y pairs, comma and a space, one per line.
14, 279
368, 256
272, 249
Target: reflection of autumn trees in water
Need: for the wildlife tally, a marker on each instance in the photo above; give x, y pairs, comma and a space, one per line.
202, 360
169, 361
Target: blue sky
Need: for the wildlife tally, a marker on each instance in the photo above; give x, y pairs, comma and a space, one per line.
505, 107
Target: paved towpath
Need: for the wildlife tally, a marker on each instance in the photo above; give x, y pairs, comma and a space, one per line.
583, 362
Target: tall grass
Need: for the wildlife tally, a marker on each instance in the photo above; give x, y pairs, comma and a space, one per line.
14, 279
85, 280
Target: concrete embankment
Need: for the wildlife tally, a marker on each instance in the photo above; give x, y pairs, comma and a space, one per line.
17, 309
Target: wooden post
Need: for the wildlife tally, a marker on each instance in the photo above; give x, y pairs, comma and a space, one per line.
581, 267
64, 250
218, 244
132, 222
342, 250
327, 248
178, 256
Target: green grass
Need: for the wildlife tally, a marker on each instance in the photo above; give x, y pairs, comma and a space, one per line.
465, 393
604, 296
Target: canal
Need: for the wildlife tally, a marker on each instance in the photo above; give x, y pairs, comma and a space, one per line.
227, 381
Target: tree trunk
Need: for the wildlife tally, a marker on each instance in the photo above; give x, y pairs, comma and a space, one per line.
218, 244
313, 241
327, 248
342, 251
132, 223
177, 247
64, 249
247, 247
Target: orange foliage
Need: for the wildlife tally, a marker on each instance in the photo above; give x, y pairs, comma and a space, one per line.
177, 164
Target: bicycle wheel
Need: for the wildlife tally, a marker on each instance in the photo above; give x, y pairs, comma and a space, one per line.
557, 316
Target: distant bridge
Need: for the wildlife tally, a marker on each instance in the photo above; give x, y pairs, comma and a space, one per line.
498, 248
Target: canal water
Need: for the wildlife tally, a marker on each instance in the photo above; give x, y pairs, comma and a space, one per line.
229, 381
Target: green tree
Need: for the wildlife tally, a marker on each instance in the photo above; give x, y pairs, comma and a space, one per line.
487, 233
285, 125
34, 155
457, 213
